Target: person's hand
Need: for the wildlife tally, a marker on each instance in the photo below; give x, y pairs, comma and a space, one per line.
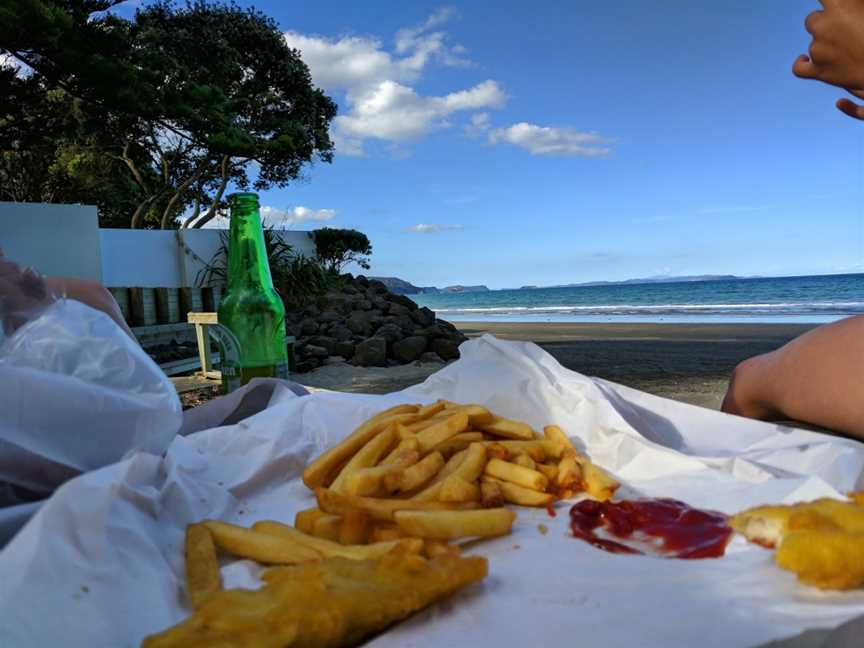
836, 54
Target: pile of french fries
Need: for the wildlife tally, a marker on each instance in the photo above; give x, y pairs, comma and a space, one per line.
414, 479
441, 472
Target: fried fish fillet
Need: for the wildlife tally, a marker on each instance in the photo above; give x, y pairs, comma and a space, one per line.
767, 525
335, 602
828, 559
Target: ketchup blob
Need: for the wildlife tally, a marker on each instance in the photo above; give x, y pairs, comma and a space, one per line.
671, 528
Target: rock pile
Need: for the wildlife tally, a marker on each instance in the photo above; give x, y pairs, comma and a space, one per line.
365, 324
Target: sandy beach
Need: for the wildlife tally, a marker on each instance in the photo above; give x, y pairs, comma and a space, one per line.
685, 362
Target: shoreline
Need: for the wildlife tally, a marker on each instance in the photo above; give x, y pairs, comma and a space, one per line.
685, 362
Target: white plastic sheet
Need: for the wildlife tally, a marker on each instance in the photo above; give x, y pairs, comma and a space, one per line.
101, 563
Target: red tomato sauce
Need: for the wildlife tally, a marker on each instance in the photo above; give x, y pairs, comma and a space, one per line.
671, 528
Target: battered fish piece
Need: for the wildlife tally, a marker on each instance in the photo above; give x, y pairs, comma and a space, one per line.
825, 559
767, 525
335, 602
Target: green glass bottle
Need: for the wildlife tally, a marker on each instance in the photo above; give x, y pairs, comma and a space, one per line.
250, 308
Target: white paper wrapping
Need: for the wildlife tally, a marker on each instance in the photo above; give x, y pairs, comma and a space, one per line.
101, 563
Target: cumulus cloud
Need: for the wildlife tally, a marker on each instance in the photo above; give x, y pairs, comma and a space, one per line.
395, 112
382, 104
546, 140
433, 228
281, 218
480, 123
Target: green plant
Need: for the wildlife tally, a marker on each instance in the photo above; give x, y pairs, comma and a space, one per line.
297, 278
336, 248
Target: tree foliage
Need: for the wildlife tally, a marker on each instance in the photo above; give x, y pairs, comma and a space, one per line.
336, 248
179, 102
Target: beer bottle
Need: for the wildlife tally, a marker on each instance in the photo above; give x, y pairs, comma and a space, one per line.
250, 308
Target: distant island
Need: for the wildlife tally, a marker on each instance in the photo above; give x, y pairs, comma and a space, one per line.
651, 280
402, 287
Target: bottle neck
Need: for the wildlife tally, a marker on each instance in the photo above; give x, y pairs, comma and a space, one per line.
247, 256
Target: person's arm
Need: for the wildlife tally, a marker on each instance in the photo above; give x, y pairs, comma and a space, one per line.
22, 291
817, 378
836, 54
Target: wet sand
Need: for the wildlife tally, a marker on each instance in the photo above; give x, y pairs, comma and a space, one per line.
685, 362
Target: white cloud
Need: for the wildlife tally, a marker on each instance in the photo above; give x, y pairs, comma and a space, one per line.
395, 112
433, 228
381, 102
280, 218
546, 140
479, 125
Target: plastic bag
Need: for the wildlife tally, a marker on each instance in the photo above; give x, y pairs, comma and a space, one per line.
76, 393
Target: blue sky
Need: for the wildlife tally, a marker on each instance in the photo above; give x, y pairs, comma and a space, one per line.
515, 143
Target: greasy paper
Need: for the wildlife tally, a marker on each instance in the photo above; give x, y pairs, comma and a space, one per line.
101, 563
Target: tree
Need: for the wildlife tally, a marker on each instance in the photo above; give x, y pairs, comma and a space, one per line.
186, 101
336, 248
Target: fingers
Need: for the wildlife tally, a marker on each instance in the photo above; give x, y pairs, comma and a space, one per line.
805, 68
851, 108
811, 23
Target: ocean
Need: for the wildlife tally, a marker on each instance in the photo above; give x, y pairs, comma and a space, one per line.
818, 299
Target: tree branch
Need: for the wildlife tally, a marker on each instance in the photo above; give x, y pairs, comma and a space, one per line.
211, 211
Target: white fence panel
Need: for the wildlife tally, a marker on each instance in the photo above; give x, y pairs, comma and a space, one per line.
60, 240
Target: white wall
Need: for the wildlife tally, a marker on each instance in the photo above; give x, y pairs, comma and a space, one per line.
66, 240
54, 239
157, 259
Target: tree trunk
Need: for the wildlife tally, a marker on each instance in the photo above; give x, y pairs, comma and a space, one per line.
211, 211
140, 211
166, 213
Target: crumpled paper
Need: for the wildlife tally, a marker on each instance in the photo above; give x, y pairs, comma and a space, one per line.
101, 563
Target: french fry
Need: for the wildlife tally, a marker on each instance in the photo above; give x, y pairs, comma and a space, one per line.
367, 456
321, 469
202, 566
556, 435
508, 429
538, 450
491, 495
516, 474
497, 451
330, 549
549, 470
403, 433
371, 481
354, 529
456, 489
431, 491
404, 445
440, 432
450, 525
305, 520
478, 416
379, 508
472, 466
385, 531
598, 483
328, 527
428, 411
458, 442
413, 477
569, 472
259, 546
522, 459
434, 548
520, 495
